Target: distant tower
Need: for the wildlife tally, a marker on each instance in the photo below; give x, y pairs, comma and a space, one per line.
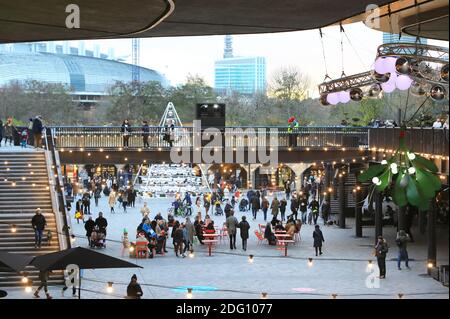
228, 50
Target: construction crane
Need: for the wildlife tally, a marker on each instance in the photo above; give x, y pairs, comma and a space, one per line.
135, 72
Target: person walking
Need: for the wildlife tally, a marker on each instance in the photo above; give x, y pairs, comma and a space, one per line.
318, 240
145, 211
190, 233
283, 204
198, 225
287, 189
38, 223
112, 201
402, 242
244, 227
265, 207
43, 277
232, 223
303, 204
134, 290
314, 206
381, 250
125, 201
101, 223
255, 206
126, 132
145, 134
325, 211
89, 227
275, 207
86, 203
97, 195
178, 240
294, 207
37, 131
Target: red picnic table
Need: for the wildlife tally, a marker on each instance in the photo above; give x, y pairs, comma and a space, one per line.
210, 242
284, 241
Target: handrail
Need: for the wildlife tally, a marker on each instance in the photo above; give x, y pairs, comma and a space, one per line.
62, 220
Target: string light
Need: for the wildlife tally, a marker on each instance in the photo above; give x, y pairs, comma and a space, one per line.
250, 259
13, 229
109, 288
430, 265
310, 262
29, 286
25, 278
189, 293
370, 264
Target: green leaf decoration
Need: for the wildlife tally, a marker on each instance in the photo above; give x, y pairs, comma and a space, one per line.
404, 180
399, 193
425, 163
434, 179
425, 183
385, 179
371, 172
413, 194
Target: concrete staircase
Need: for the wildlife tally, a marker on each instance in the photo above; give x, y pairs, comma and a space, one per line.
24, 186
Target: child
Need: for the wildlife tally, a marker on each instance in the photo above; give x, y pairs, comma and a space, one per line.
125, 242
78, 216
24, 138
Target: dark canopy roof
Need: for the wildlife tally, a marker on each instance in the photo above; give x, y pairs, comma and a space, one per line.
24, 20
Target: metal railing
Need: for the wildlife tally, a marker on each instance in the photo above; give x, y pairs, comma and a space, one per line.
71, 137
420, 140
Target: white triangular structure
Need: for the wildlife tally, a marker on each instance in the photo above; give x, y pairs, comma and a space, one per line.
170, 113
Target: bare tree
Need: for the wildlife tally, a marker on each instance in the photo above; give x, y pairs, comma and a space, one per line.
289, 83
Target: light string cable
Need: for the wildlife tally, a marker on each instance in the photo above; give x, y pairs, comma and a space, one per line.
341, 30
354, 49
323, 55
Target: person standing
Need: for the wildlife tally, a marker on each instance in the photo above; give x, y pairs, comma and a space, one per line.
43, 277
112, 201
145, 134
314, 206
381, 250
126, 132
232, 223
178, 240
402, 242
37, 131
190, 232
283, 204
303, 204
134, 290
125, 201
97, 195
287, 189
255, 206
265, 207
275, 207
294, 206
1, 132
89, 227
244, 227
318, 239
38, 222
9, 128
145, 211
325, 211
198, 225
86, 203
101, 223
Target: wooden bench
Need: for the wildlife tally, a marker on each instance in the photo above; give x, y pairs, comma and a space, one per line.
285, 243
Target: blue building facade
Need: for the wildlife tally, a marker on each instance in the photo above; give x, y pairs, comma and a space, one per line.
245, 75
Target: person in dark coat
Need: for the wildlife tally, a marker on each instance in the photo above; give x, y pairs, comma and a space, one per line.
198, 225
294, 207
303, 206
38, 222
283, 204
269, 235
145, 134
134, 290
244, 226
101, 223
231, 224
178, 240
43, 277
126, 132
89, 227
318, 239
1, 132
255, 206
37, 131
314, 206
325, 211
381, 250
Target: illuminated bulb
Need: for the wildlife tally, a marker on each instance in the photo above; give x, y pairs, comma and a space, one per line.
189, 293
131, 249
411, 170
28, 289
191, 254
370, 264
250, 259
72, 239
330, 189
29, 165
430, 265
411, 156
383, 162
394, 166
109, 288
25, 279
310, 262
376, 181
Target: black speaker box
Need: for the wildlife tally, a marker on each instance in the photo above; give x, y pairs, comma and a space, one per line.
211, 115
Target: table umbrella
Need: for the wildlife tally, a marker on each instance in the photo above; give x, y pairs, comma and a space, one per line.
82, 257
14, 262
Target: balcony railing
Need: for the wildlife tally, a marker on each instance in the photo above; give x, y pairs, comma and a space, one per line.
111, 137
419, 140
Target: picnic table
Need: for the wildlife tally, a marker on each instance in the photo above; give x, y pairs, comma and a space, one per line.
285, 243
210, 242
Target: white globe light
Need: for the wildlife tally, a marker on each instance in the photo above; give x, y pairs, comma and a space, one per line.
403, 82
394, 170
392, 79
411, 170
388, 88
344, 96
383, 162
333, 98
385, 65
376, 181
411, 156
394, 165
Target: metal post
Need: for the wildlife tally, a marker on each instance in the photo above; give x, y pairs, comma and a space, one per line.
431, 234
341, 198
358, 214
378, 215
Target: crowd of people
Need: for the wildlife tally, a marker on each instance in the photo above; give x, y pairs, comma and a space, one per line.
8, 130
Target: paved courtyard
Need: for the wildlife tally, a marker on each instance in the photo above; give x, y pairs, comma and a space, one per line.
341, 270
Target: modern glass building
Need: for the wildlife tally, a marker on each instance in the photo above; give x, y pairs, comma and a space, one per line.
88, 77
245, 75
404, 38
